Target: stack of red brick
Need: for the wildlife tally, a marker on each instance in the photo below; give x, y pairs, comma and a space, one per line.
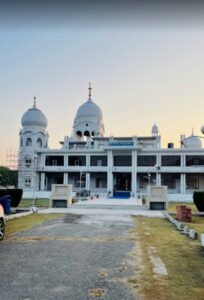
183, 213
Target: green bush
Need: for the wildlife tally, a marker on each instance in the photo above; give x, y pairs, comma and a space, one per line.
198, 199
15, 194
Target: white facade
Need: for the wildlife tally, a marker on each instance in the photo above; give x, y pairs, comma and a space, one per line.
100, 165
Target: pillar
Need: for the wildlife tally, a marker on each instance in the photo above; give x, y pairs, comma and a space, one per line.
110, 172
42, 181
133, 177
88, 160
183, 184
65, 179
88, 181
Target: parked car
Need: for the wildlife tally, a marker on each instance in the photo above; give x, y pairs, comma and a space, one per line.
2, 223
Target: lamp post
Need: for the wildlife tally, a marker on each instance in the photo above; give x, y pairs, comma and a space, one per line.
149, 178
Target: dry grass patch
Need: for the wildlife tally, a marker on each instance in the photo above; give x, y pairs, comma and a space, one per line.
183, 258
27, 222
172, 206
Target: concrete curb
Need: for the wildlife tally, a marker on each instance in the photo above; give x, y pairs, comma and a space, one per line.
15, 216
191, 233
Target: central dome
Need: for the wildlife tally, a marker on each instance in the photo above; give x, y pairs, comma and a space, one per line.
89, 110
34, 117
88, 122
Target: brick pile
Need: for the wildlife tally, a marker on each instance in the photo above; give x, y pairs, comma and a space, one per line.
183, 213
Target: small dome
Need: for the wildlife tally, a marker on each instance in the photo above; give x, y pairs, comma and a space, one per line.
89, 110
34, 117
155, 129
192, 142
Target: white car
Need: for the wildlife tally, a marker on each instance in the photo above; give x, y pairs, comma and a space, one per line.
2, 223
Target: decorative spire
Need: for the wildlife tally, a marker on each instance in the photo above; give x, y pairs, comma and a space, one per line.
90, 90
34, 102
192, 134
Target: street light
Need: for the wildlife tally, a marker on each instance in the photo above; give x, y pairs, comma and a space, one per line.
148, 177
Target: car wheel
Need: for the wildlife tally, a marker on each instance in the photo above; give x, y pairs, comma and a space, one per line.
2, 229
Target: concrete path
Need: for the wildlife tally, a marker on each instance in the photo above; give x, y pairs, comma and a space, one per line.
104, 206
76, 257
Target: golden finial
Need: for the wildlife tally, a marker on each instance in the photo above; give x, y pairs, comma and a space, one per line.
90, 90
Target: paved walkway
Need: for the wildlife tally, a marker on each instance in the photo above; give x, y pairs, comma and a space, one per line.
75, 257
104, 206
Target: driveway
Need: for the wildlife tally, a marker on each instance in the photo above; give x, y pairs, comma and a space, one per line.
75, 257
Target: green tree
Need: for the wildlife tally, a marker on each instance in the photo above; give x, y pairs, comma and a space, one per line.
8, 177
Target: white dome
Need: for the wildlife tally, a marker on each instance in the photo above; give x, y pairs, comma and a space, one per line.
192, 142
34, 117
89, 120
89, 110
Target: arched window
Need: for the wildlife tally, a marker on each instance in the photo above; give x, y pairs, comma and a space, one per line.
27, 181
39, 143
79, 133
86, 133
28, 142
28, 161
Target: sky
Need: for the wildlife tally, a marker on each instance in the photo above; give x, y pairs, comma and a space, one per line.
145, 62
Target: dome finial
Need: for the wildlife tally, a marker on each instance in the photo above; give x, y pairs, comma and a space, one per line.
34, 102
90, 90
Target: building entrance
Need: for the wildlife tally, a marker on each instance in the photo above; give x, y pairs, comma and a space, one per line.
122, 182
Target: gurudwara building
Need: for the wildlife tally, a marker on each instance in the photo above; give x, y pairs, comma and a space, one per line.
108, 166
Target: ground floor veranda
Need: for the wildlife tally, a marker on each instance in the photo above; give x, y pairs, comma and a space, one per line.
110, 183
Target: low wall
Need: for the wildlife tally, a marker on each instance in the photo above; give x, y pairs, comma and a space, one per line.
171, 197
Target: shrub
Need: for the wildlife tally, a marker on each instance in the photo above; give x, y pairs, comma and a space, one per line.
15, 194
198, 199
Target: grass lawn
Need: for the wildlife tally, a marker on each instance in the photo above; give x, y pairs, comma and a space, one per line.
183, 258
27, 222
41, 203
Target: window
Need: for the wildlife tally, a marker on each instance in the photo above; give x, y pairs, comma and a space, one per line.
27, 181
170, 180
54, 160
101, 182
98, 160
122, 160
77, 160
192, 183
170, 161
28, 142
146, 160
195, 160
39, 143
28, 161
